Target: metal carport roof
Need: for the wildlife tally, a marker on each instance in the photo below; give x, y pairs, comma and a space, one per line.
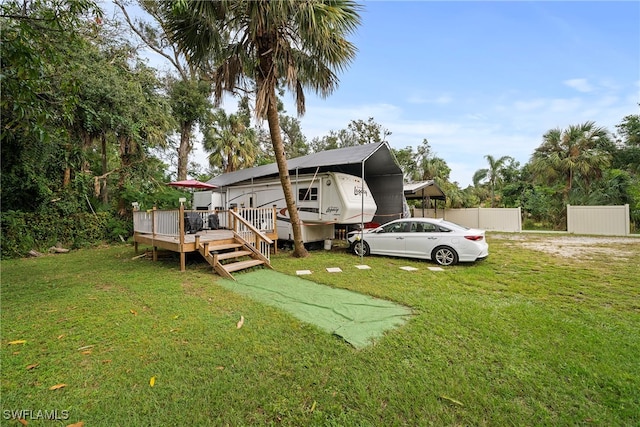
423, 189
379, 161
381, 172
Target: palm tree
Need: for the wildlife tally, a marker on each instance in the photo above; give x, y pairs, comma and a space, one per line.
292, 43
230, 143
576, 152
493, 174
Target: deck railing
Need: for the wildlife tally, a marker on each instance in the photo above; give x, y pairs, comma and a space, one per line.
262, 219
143, 221
164, 223
248, 224
251, 234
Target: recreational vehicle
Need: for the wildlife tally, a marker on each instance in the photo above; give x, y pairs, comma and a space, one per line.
323, 200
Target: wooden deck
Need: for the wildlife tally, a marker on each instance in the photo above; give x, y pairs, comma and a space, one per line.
164, 230
172, 243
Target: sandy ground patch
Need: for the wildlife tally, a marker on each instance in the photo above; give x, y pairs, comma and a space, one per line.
575, 247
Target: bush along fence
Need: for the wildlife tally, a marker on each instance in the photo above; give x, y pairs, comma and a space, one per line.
23, 232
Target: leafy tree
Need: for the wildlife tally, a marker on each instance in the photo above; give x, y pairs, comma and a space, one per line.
145, 123
295, 143
103, 72
580, 152
189, 93
335, 139
232, 145
494, 174
429, 166
31, 36
358, 132
423, 165
628, 154
406, 159
368, 132
295, 44
36, 104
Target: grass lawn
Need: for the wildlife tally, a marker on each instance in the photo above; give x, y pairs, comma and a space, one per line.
522, 338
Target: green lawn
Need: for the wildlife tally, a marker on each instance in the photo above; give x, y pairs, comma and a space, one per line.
522, 338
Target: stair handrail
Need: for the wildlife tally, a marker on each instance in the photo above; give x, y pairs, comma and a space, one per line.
262, 243
250, 226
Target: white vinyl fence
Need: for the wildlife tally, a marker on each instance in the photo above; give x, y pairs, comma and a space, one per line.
493, 219
606, 220
603, 220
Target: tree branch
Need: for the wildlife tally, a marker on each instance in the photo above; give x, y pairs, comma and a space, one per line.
174, 61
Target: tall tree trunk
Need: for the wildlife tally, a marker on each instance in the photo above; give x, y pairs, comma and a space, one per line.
126, 155
66, 180
493, 194
104, 191
184, 149
567, 187
299, 250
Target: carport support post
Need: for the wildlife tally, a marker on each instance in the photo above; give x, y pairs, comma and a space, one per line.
362, 212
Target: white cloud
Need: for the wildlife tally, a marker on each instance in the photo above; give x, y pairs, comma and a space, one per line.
581, 85
506, 124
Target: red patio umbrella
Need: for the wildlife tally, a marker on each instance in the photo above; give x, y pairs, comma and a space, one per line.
191, 183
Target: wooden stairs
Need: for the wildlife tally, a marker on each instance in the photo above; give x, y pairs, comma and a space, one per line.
226, 258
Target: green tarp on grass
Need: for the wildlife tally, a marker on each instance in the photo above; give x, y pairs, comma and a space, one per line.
357, 318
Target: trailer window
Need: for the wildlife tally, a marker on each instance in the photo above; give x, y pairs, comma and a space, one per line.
307, 194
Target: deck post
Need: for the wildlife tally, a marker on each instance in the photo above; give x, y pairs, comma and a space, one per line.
153, 223
181, 225
275, 229
235, 222
181, 231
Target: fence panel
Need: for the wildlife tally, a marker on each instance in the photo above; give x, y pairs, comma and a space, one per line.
500, 219
494, 219
469, 217
605, 220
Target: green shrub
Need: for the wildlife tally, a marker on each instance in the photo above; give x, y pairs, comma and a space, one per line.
22, 232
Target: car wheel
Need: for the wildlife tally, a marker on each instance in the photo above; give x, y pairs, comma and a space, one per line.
361, 248
444, 255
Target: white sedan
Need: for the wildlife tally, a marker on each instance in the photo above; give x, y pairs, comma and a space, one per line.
444, 242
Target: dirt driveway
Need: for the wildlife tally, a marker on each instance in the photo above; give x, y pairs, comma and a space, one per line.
575, 247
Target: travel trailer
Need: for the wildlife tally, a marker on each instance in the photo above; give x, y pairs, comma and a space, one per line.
323, 200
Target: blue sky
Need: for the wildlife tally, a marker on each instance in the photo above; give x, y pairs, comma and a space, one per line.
478, 78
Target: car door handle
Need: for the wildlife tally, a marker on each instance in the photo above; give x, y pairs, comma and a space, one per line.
432, 238
399, 238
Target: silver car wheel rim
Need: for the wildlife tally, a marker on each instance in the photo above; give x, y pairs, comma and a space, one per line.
444, 257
